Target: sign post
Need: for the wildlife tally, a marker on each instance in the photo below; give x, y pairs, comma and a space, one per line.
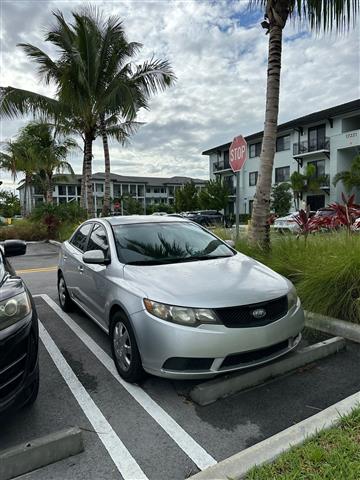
237, 158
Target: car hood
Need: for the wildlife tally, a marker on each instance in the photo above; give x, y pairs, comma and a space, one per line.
222, 282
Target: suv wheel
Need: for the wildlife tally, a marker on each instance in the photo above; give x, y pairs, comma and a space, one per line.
124, 349
64, 298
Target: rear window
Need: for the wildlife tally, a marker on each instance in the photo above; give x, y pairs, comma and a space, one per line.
80, 237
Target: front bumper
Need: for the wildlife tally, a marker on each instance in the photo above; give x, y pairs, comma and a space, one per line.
18, 362
175, 351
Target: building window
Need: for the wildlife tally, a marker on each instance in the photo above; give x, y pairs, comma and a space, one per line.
125, 189
148, 189
62, 190
100, 188
78, 190
253, 176
71, 190
171, 191
133, 190
319, 168
116, 190
282, 174
255, 150
156, 190
283, 143
140, 190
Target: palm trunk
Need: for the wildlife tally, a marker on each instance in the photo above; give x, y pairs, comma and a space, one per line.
83, 203
259, 233
49, 190
106, 204
88, 173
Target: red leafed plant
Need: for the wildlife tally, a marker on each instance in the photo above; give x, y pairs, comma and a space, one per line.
344, 214
308, 224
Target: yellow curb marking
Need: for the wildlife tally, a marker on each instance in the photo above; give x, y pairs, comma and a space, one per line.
37, 270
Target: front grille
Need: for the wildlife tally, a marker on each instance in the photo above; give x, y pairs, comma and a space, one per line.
242, 316
12, 368
254, 355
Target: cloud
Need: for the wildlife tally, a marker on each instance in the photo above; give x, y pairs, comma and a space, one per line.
218, 51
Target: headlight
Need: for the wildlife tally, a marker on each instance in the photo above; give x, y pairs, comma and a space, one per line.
182, 315
14, 309
292, 298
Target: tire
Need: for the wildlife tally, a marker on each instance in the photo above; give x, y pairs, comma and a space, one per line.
64, 298
35, 390
124, 349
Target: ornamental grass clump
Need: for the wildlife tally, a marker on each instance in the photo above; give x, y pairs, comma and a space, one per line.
325, 270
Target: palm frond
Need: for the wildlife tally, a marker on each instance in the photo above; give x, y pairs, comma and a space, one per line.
15, 102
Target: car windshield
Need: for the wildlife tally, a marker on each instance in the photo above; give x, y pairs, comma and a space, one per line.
160, 243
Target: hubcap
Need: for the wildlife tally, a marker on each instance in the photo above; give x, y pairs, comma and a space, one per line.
122, 345
62, 291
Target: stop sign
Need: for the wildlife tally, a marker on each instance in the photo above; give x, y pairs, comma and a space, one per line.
117, 205
237, 153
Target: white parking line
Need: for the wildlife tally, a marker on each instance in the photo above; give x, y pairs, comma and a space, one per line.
193, 450
122, 458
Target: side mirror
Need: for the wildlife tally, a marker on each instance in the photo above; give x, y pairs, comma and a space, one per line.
231, 243
95, 257
13, 248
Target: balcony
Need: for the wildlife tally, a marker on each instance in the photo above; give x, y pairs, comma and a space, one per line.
221, 167
325, 183
305, 148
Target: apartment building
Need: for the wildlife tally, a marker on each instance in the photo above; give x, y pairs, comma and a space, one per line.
328, 139
146, 190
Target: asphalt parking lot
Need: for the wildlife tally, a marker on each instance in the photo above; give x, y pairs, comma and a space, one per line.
156, 431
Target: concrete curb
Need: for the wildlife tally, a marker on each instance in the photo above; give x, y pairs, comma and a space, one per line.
208, 392
40, 452
333, 326
238, 465
54, 242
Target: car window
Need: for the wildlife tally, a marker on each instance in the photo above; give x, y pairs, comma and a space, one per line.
98, 240
80, 236
151, 243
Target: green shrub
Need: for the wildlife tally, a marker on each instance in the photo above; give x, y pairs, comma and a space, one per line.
326, 270
24, 230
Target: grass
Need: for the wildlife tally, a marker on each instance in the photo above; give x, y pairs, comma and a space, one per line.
333, 454
325, 270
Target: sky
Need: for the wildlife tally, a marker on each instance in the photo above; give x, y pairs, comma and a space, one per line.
218, 51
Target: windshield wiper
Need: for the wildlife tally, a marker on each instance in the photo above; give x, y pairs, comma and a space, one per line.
164, 261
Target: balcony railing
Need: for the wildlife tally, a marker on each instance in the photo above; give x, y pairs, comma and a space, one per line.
307, 147
221, 166
325, 182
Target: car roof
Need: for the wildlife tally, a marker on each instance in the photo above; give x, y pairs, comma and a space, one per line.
132, 219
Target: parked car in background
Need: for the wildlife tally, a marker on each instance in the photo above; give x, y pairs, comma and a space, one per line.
288, 223
159, 214
19, 338
356, 225
205, 217
176, 300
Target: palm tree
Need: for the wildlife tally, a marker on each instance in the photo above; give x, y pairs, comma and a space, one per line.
306, 182
350, 178
84, 88
16, 158
321, 14
49, 149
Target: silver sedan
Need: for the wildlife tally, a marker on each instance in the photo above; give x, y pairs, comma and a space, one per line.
176, 301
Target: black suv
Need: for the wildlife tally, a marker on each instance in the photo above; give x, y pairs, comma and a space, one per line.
19, 335
205, 217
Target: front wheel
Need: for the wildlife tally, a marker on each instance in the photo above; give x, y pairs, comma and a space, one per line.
124, 349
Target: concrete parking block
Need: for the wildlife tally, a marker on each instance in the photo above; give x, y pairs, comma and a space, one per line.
210, 391
333, 326
40, 452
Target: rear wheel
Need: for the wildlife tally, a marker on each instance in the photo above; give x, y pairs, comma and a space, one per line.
64, 298
125, 350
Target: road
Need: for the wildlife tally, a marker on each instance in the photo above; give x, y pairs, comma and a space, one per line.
153, 431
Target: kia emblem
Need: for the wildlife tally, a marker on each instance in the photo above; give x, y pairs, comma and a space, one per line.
259, 313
